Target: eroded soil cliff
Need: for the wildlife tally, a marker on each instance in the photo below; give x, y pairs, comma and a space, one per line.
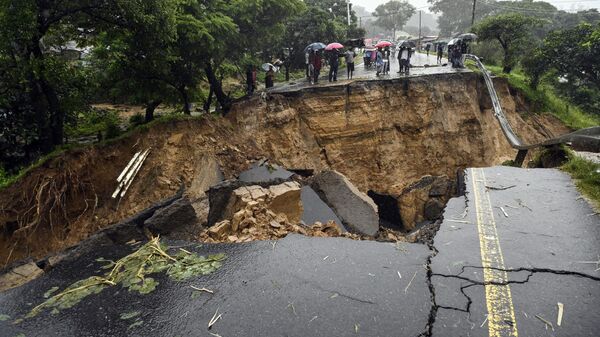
383, 135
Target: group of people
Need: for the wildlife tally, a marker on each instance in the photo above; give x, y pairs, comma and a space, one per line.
456, 52
315, 59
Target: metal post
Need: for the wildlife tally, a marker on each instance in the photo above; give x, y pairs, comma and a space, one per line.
348, 5
473, 17
419, 43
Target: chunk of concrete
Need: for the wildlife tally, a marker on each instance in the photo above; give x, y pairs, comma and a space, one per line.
263, 172
316, 210
357, 211
20, 275
286, 198
207, 174
174, 217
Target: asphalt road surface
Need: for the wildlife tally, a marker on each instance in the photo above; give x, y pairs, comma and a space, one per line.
421, 65
517, 244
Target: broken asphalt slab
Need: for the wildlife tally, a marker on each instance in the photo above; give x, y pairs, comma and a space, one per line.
297, 286
549, 247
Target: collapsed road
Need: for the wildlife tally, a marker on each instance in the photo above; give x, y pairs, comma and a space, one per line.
516, 250
507, 252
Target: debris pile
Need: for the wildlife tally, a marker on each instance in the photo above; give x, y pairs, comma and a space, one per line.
258, 221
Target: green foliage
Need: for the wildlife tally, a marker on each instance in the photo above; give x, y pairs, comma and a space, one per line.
4, 317
586, 175
544, 99
92, 122
136, 120
132, 272
393, 15
512, 31
111, 129
570, 59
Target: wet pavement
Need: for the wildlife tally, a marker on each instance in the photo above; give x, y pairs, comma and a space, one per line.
298, 286
530, 229
546, 242
422, 65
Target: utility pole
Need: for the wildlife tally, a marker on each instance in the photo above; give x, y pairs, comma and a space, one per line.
473, 16
419, 42
348, 3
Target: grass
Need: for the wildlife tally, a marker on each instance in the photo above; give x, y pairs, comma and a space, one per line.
545, 99
586, 175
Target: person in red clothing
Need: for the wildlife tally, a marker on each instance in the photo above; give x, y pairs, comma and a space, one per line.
317, 65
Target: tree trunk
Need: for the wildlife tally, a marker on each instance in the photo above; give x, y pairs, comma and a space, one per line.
186, 101
208, 102
222, 98
152, 105
56, 114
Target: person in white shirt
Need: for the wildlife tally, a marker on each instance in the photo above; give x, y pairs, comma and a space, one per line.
404, 59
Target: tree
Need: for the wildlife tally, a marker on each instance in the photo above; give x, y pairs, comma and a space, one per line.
393, 15
511, 30
32, 33
456, 15
571, 55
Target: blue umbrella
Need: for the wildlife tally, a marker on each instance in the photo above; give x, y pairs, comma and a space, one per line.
315, 46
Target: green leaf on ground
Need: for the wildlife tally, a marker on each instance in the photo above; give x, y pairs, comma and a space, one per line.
50, 292
4, 317
130, 315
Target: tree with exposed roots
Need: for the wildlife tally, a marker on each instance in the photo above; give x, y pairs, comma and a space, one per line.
393, 15
512, 31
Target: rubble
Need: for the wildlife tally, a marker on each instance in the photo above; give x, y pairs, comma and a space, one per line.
19, 275
257, 222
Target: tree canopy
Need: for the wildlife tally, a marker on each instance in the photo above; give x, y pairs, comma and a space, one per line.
511, 30
393, 15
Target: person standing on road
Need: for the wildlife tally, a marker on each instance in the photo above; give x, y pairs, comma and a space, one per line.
427, 48
270, 78
334, 64
307, 62
404, 59
386, 57
379, 61
349, 56
250, 79
317, 64
440, 53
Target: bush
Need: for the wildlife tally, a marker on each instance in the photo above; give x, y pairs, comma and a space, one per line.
136, 120
586, 174
111, 130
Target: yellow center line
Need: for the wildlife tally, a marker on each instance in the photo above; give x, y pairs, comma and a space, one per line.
501, 313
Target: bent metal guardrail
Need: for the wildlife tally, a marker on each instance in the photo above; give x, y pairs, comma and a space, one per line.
588, 138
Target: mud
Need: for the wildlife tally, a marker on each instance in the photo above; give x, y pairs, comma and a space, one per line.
383, 135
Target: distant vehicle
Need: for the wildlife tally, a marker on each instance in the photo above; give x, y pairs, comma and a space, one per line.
369, 57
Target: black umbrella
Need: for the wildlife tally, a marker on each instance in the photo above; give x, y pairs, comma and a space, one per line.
406, 43
468, 37
315, 46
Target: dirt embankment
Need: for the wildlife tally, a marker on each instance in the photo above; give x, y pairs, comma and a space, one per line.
384, 136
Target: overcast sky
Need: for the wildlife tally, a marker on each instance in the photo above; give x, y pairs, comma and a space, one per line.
422, 4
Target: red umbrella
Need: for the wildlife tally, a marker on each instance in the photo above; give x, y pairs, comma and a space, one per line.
333, 46
383, 44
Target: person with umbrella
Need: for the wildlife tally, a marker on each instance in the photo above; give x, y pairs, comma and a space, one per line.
317, 63
334, 62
